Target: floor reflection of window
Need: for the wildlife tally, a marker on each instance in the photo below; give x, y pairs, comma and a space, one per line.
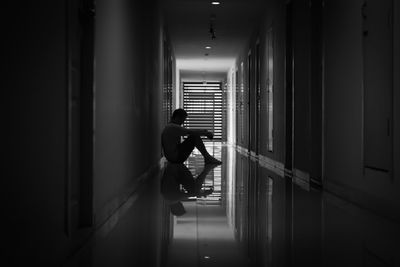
213, 180
269, 219
231, 186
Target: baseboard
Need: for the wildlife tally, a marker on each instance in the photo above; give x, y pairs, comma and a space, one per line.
112, 206
300, 177
364, 200
352, 195
266, 162
109, 215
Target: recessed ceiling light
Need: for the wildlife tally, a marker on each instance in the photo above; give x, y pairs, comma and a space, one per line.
215, 3
208, 47
207, 257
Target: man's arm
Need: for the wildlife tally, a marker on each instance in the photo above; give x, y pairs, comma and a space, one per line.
201, 132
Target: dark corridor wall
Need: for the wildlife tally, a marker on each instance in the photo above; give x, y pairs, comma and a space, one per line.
34, 175
127, 113
335, 96
128, 99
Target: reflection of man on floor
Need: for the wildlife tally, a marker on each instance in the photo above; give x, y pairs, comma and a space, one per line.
178, 152
177, 174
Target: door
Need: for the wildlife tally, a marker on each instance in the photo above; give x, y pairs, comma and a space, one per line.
257, 98
241, 109
250, 103
316, 91
167, 81
289, 72
378, 84
80, 66
270, 89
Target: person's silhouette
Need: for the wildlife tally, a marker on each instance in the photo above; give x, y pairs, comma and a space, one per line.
177, 152
177, 174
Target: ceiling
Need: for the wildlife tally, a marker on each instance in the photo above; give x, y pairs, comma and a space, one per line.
188, 24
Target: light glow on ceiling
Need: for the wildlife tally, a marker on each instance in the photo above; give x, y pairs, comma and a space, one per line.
215, 3
208, 47
205, 64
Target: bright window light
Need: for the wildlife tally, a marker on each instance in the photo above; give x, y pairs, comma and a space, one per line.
199, 64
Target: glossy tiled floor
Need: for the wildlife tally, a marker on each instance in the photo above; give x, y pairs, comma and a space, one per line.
238, 214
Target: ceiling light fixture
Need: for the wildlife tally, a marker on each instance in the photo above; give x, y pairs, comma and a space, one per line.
212, 26
208, 47
215, 3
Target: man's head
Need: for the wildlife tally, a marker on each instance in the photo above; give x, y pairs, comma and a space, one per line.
179, 116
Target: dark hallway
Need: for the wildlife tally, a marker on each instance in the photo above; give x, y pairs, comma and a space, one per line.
302, 97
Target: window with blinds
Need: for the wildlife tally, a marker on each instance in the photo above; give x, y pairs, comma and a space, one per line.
203, 103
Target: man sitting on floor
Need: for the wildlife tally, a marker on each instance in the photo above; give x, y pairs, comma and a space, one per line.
177, 152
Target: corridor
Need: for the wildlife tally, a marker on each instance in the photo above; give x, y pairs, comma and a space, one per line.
300, 99
245, 214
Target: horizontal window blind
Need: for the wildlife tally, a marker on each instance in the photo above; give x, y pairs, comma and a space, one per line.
203, 102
